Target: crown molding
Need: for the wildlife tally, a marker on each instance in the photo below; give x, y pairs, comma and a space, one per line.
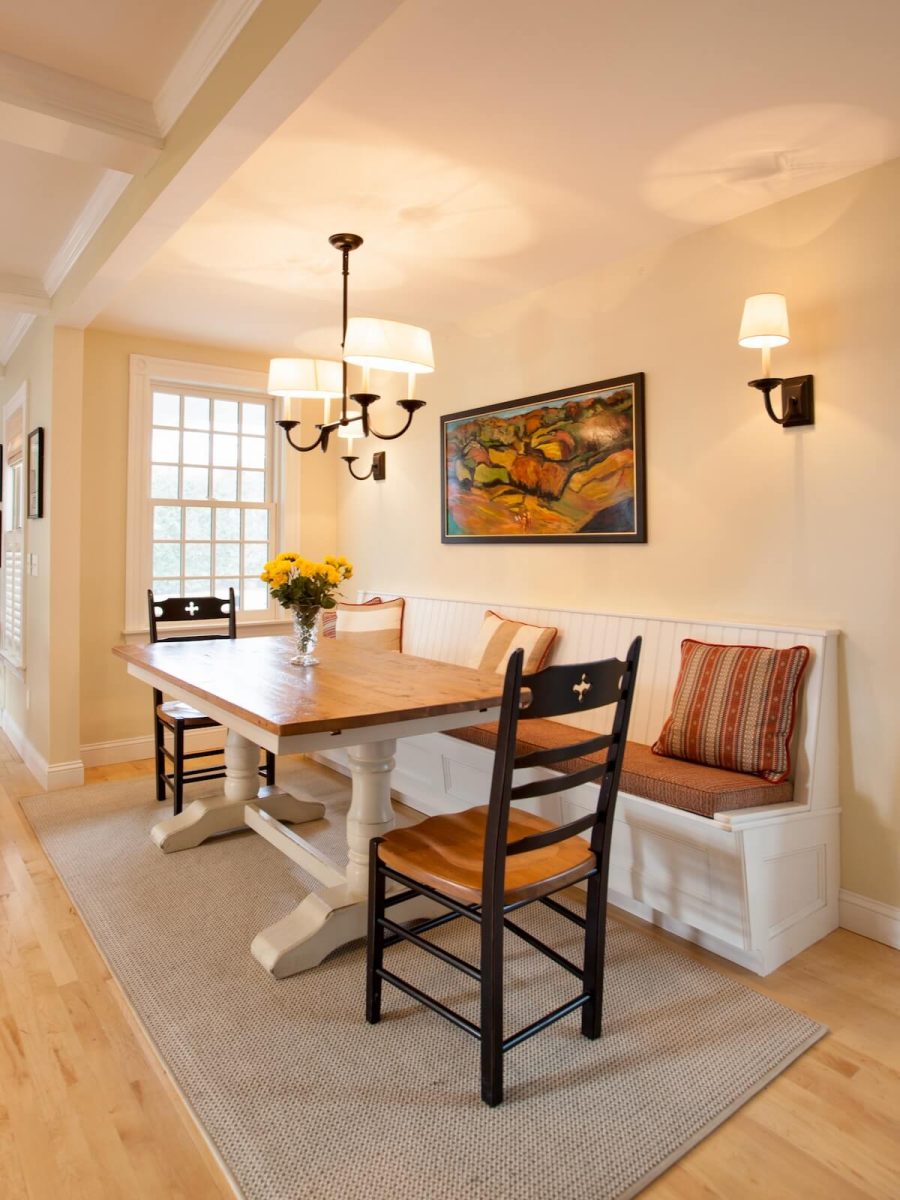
223, 23
10, 343
91, 217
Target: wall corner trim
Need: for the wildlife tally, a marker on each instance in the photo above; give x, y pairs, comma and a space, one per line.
869, 918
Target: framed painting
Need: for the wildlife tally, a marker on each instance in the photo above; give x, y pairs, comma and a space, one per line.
566, 466
36, 472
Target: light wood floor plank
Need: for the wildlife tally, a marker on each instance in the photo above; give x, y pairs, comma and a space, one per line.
87, 1109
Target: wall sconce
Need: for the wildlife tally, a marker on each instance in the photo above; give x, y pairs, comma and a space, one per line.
378, 469
764, 325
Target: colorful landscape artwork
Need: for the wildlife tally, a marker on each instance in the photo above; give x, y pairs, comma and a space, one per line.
566, 466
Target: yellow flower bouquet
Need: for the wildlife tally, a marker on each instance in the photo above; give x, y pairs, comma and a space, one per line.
305, 587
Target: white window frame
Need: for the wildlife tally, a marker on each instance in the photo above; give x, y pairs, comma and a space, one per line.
13, 651
145, 373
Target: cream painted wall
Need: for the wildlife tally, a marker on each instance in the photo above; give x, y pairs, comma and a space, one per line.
63, 570
745, 520
114, 706
27, 693
39, 709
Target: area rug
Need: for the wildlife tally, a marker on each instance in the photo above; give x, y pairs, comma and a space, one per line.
303, 1101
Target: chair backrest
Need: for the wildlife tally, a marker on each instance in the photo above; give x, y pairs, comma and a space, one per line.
556, 692
192, 609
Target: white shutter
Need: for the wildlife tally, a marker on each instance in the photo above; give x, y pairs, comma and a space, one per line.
13, 586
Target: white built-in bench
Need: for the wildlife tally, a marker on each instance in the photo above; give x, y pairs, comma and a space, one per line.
756, 885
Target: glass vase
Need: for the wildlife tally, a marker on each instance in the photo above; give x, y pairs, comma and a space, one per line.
306, 633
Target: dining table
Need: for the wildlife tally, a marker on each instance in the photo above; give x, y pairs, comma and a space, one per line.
355, 697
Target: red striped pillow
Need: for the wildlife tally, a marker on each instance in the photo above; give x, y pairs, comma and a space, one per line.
734, 707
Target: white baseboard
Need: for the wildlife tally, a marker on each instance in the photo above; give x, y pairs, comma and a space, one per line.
51, 776
102, 754
870, 918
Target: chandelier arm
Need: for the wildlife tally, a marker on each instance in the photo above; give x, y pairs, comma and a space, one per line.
321, 440
411, 407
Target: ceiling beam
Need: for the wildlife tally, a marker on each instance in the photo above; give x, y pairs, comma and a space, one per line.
18, 294
61, 114
280, 56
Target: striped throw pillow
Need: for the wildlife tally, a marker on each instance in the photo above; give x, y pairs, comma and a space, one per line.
372, 626
329, 616
499, 638
734, 707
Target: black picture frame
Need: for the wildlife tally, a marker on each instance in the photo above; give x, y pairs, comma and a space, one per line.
35, 477
511, 472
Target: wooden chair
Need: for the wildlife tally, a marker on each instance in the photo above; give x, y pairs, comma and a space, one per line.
176, 716
484, 863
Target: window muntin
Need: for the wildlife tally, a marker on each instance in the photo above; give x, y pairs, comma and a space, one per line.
211, 494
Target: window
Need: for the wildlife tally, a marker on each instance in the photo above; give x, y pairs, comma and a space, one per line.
211, 494
206, 487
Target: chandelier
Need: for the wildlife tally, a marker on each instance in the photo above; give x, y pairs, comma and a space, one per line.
366, 342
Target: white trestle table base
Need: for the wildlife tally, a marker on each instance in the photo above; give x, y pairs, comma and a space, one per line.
369, 700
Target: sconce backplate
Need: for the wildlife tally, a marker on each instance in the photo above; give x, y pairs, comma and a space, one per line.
797, 401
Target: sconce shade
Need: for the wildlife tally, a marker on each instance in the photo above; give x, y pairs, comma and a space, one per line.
316, 378
765, 321
388, 346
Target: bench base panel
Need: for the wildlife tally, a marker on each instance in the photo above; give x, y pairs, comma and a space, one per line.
756, 890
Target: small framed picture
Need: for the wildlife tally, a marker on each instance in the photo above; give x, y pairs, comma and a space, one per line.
36, 472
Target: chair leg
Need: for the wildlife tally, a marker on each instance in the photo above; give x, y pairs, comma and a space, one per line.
375, 940
159, 734
270, 769
178, 767
492, 1004
594, 957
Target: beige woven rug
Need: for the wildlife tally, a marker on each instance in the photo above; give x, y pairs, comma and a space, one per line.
303, 1100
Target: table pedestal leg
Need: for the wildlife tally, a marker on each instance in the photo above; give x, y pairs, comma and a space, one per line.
328, 919
202, 819
324, 921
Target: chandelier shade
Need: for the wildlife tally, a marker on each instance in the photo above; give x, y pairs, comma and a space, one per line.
309, 378
388, 346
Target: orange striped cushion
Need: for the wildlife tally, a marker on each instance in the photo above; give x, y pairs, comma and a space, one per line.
329, 615
499, 637
734, 707
374, 627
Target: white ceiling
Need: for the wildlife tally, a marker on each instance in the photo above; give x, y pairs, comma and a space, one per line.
484, 148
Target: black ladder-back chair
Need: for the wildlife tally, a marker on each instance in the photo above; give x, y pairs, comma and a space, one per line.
480, 876
175, 715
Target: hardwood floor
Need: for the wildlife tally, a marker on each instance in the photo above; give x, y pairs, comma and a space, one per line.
87, 1110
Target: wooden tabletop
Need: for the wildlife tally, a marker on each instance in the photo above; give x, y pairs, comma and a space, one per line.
253, 678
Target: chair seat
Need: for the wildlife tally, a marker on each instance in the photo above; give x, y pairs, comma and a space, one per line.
176, 710
446, 853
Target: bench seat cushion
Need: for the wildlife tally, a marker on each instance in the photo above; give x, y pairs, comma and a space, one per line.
688, 786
